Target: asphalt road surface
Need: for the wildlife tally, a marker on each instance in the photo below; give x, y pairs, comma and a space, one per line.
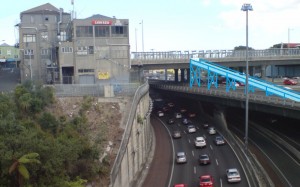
9, 78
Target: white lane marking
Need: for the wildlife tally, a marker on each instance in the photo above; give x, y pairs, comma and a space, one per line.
189, 140
211, 147
221, 184
217, 162
193, 154
195, 170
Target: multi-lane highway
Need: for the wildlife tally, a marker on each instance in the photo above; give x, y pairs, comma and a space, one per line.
221, 157
273, 139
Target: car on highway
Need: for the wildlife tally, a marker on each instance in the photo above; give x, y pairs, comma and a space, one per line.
219, 140
185, 121
180, 185
240, 83
171, 120
200, 142
289, 82
171, 105
160, 113
183, 110
191, 128
233, 175
212, 130
192, 114
176, 134
181, 158
178, 115
204, 159
206, 181
205, 125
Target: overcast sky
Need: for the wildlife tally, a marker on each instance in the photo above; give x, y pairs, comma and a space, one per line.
180, 24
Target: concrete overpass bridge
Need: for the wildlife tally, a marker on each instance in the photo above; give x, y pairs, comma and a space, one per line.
283, 62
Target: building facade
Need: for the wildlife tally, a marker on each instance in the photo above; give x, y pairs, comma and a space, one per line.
9, 56
55, 48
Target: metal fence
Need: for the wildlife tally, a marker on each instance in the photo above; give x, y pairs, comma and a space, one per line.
96, 90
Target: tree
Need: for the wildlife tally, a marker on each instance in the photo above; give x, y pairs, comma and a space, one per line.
19, 166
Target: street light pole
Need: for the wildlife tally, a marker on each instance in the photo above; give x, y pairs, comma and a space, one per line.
142, 35
246, 8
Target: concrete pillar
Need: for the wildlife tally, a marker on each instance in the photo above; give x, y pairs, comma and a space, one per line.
176, 75
188, 75
263, 72
166, 74
182, 75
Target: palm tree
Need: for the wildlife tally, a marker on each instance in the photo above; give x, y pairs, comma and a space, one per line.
19, 166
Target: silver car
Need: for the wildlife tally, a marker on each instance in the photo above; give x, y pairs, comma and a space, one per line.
233, 175
181, 157
191, 129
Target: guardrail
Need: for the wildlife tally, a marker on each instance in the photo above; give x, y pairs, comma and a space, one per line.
238, 95
215, 54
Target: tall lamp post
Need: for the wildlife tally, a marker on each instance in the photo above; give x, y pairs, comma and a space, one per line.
247, 7
142, 35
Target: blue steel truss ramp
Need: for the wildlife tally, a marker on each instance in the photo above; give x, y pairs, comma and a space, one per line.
214, 71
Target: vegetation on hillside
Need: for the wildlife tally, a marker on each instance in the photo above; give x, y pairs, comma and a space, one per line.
38, 148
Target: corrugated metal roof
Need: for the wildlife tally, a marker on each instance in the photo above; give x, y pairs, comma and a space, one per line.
99, 16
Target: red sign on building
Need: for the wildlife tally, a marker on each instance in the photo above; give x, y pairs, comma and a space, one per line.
101, 22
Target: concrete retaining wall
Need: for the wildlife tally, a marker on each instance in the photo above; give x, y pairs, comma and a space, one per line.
136, 144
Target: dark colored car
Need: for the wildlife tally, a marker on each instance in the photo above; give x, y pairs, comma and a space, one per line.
204, 159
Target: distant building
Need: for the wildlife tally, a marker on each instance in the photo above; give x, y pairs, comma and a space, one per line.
9, 56
55, 48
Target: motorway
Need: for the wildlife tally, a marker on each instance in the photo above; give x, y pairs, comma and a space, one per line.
274, 140
222, 157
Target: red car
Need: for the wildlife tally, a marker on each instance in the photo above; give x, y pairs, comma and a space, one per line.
289, 82
180, 185
206, 181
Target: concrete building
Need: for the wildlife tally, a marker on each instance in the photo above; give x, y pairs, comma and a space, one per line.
9, 56
56, 48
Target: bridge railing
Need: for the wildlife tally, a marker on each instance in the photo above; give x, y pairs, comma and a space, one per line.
160, 55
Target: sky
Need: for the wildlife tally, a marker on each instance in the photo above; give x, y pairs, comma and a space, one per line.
181, 25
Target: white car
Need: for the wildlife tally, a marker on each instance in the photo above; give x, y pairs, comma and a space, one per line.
178, 115
160, 114
212, 130
200, 142
181, 157
233, 175
191, 129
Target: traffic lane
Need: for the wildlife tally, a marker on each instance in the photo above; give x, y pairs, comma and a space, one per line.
220, 161
160, 169
286, 166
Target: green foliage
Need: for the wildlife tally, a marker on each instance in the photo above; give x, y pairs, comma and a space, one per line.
43, 149
139, 119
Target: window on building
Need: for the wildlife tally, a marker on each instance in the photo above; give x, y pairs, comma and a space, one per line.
91, 49
0, 52
8, 52
44, 35
82, 50
28, 53
44, 52
101, 31
31, 19
84, 31
86, 70
28, 38
119, 31
67, 50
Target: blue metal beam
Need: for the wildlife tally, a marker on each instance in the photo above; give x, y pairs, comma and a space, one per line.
231, 76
